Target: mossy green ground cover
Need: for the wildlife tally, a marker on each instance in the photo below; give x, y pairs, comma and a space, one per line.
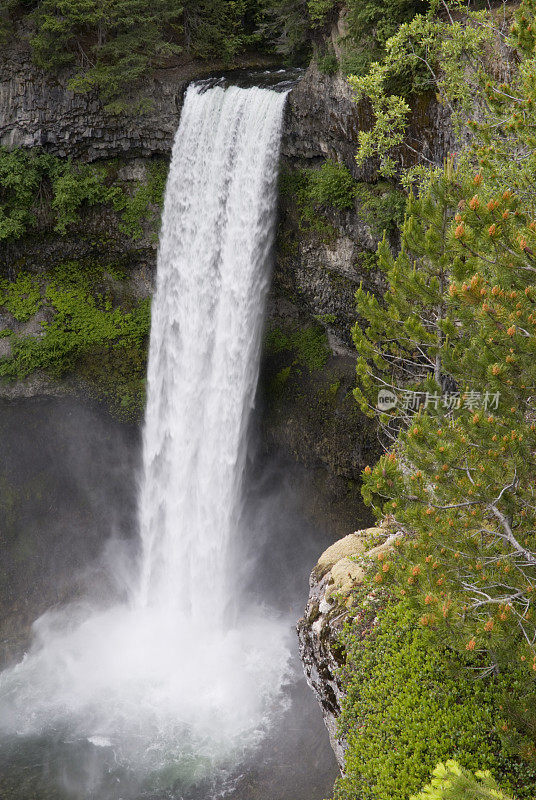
85, 328
381, 205
410, 704
87, 332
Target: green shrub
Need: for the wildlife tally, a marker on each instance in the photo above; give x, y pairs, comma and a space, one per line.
452, 782
136, 207
327, 63
294, 185
21, 175
76, 184
409, 705
370, 24
332, 185
319, 9
382, 206
36, 186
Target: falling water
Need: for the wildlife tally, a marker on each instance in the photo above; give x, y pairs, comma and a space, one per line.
172, 674
212, 278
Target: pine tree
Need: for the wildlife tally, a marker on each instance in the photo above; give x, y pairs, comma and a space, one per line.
111, 43
452, 782
400, 338
459, 477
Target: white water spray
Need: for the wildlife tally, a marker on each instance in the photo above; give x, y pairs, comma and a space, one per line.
171, 672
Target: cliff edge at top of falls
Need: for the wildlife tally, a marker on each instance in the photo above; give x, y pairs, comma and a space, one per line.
340, 569
37, 109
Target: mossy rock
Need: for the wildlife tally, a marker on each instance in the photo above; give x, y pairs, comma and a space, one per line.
355, 544
344, 576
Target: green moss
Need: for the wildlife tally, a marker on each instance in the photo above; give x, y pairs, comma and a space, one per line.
327, 319
117, 374
332, 390
21, 297
296, 186
90, 334
279, 380
367, 260
409, 704
309, 345
147, 196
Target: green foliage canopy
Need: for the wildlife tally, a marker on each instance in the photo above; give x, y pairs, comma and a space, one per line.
458, 318
37, 188
408, 705
111, 43
452, 782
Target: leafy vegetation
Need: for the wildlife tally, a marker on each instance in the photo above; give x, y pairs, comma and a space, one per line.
21, 297
143, 205
432, 52
86, 332
452, 782
110, 44
40, 190
331, 185
370, 26
382, 205
409, 705
453, 339
308, 344
109, 47
294, 187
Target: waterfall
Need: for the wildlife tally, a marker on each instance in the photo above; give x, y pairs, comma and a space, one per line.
170, 675
212, 277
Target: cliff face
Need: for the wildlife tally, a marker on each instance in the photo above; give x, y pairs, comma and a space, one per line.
309, 412
323, 121
38, 110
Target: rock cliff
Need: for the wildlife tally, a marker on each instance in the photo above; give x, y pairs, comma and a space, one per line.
340, 569
39, 110
323, 121
310, 414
